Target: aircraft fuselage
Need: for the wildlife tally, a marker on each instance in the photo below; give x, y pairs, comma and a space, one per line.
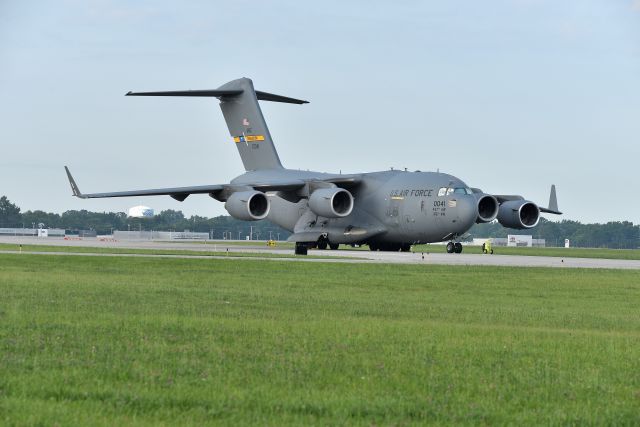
391, 206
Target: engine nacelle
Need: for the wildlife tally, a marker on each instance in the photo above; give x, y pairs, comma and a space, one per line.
487, 208
519, 214
248, 205
331, 202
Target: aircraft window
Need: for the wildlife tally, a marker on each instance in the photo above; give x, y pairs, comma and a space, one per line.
449, 191
442, 192
460, 191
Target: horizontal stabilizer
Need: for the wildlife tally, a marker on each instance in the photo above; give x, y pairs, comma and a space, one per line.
264, 96
218, 93
207, 93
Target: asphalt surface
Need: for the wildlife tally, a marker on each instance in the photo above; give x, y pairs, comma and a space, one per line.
341, 255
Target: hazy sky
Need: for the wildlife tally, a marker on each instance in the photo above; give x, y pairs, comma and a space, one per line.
510, 96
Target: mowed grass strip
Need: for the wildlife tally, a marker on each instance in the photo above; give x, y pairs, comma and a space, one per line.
103, 341
222, 251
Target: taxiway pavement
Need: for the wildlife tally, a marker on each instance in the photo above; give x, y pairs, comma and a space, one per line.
358, 256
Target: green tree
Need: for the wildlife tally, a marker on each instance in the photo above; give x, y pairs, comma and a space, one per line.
9, 213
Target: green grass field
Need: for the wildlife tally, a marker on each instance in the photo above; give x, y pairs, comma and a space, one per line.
148, 341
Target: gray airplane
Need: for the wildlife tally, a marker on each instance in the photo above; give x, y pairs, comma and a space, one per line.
388, 210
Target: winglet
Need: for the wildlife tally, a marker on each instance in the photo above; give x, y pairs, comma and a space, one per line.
553, 203
74, 186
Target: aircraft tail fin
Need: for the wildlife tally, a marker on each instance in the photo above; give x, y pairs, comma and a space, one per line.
246, 124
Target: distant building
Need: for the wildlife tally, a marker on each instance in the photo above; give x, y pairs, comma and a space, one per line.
511, 240
47, 232
520, 240
159, 235
141, 212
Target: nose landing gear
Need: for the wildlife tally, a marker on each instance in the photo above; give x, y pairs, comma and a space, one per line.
454, 247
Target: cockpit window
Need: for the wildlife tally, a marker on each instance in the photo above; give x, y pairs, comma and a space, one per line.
446, 191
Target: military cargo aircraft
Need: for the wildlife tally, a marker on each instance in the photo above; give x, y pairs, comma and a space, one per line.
388, 210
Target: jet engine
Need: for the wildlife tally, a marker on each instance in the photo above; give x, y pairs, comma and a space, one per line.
518, 214
331, 202
248, 205
487, 208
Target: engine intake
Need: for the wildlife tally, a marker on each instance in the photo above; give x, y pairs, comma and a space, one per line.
248, 205
519, 214
331, 202
488, 207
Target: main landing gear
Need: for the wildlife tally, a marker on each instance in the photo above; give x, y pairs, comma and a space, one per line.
302, 248
454, 247
323, 243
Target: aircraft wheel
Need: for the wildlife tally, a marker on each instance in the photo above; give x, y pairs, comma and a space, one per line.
405, 247
457, 247
450, 247
491, 251
373, 247
301, 248
334, 246
322, 244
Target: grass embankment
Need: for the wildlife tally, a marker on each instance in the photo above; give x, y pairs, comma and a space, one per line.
104, 341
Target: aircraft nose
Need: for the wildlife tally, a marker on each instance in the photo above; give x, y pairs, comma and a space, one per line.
467, 210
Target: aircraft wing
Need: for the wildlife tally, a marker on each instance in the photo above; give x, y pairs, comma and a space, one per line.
178, 193
553, 201
181, 193
346, 181
507, 197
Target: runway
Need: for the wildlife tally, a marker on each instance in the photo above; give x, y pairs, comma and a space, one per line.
354, 256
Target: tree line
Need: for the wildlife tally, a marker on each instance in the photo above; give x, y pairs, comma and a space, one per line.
615, 234
168, 220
